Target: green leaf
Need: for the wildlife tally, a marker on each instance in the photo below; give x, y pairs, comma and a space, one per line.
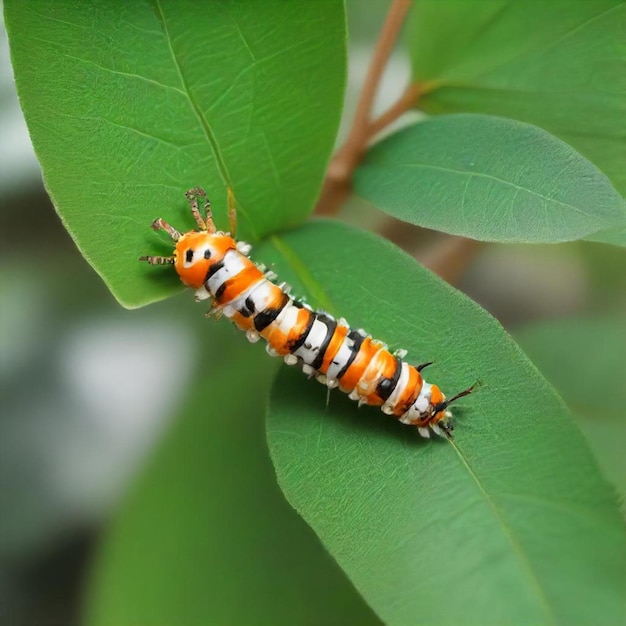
584, 360
490, 179
560, 65
130, 104
510, 524
206, 536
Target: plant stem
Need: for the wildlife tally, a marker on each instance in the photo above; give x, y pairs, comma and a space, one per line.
449, 257
406, 102
338, 182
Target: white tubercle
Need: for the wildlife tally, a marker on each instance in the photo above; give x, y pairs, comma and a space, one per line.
437, 430
228, 310
354, 394
270, 350
406, 418
202, 294
244, 248
424, 432
252, 336
291, 359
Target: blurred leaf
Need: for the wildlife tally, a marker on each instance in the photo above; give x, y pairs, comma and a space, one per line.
511, 524
560, 65
206, 536
616, 236
491, 179
585, 360
128, 105
606, 278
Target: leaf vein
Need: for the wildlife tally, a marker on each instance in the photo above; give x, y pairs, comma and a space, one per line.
127, 74
416, 165
202, 120
512, 538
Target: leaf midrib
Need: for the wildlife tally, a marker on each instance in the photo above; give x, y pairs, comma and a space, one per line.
418, 165
203, 122
511, 537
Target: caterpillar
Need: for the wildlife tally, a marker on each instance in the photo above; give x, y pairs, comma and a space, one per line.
218, 267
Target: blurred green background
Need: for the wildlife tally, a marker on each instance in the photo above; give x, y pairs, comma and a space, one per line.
88, 389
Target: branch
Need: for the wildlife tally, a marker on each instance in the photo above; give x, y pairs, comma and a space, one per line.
450, 258
405, 103
337, 184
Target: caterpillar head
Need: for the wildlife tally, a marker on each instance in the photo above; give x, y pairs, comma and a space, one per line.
443, 423
196, 252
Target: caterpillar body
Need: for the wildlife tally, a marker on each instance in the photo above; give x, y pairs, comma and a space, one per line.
218, 268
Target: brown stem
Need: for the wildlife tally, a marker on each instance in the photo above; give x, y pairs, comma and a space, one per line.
338, 180
405, 103
450, 258
382, 52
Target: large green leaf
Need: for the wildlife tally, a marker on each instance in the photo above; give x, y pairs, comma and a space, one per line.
206, 536
560, 65
129, 104
510, 524
585, 359
489, 178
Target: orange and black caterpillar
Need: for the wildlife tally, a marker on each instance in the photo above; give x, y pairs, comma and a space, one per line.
218, 268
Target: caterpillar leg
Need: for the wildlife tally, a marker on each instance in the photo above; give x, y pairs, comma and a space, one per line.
232, 213
158, 260
205, 223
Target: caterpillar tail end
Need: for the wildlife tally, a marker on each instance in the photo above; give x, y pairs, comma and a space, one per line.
444, 426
